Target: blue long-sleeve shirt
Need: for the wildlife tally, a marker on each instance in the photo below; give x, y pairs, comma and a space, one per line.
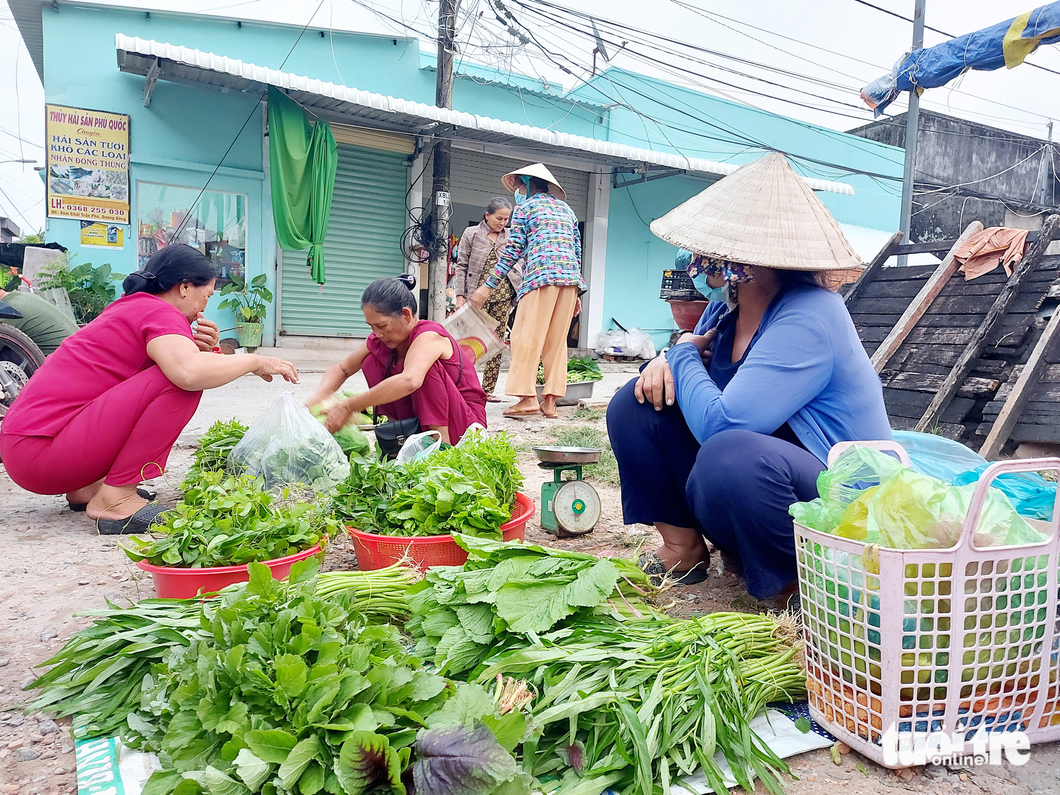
805, 366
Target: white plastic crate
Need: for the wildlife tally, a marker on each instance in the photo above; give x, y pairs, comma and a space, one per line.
903, 646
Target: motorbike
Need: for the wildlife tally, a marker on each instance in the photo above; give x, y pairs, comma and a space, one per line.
19, 357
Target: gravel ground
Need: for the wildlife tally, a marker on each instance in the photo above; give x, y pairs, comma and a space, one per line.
53, 563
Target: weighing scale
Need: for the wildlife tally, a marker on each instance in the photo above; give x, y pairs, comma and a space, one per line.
568, 506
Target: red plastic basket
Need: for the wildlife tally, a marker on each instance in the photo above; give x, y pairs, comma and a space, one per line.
377, 552
174, 583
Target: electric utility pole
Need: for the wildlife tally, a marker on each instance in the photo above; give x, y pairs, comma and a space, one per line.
912, 127
440, 201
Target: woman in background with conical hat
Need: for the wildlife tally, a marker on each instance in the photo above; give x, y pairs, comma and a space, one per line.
718, 437
544, 234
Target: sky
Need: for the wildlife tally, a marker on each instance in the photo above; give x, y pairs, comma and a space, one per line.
807, 60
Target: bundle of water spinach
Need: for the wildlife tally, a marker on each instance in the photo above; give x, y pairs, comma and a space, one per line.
628, 698
638, 705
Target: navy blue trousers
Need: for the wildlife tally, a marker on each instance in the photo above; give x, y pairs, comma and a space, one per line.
734, 489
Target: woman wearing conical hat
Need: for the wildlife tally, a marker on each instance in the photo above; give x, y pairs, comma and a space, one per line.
544, 234
718, 437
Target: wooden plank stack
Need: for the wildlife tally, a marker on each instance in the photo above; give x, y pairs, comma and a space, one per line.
949, 351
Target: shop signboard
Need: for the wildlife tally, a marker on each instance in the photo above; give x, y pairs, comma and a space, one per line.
88, 164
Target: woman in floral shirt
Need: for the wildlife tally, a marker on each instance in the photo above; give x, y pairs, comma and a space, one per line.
544, 234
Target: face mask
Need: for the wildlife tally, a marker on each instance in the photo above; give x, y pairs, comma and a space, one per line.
712, 293
520, 196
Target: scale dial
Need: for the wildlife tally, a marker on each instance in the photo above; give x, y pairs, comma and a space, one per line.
577, 507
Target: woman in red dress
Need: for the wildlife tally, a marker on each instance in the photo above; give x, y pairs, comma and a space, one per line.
413, 367
103, 412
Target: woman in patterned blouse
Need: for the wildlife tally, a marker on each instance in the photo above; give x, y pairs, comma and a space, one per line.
544, 234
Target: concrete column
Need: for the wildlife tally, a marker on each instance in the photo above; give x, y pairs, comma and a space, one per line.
594, 258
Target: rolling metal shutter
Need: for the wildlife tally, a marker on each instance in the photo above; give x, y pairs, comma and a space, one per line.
475, 178
362, 245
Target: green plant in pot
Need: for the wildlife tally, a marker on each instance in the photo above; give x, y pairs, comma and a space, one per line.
248, 302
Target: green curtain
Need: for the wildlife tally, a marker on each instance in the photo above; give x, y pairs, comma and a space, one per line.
302, 161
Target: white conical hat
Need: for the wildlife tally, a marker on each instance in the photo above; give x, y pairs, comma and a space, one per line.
761, 214
511, 180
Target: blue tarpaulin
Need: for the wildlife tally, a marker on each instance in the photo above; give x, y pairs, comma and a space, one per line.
1003, 44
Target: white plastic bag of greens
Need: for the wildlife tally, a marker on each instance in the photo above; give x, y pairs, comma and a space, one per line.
419, 445
287, 446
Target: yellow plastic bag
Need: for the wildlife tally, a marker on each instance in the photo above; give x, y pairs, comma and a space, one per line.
912, 511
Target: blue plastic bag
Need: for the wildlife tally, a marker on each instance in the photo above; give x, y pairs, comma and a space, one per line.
1030, 494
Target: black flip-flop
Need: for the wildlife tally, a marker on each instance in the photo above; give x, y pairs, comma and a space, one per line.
652, 565
140, 522
142, 491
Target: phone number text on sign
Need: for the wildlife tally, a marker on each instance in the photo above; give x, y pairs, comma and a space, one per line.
88, 164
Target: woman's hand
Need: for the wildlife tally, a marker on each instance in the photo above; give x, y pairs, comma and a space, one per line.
656, 384
206, 333
460, 301
271, 365
577, 306
704, 343
479, 297
338, 416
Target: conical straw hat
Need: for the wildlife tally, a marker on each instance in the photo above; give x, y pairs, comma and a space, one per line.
761, 214
511, 180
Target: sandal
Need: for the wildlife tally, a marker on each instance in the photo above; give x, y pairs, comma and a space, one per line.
140, 522
494, 399
652, 565
521, 414
142, 491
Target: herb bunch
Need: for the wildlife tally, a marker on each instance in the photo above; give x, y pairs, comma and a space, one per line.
288, 692
214, 447
225, 520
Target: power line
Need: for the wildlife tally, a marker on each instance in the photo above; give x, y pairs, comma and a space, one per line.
941, 32
745, 139
758, 144
711, 16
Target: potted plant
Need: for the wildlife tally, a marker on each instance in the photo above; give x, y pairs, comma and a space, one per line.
248, 303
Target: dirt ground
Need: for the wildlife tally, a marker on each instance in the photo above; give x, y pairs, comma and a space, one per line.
53, 564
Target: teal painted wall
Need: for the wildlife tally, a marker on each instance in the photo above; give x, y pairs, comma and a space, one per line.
181, 138
636, 258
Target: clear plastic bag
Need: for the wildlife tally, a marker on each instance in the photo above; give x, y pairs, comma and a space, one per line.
640, 344
287, 446
614, 342
419, 445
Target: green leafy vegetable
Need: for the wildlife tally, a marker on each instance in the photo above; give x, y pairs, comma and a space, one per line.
285, 691
632, 706
214, 447
578, 371
469, 489
225, 520
99, 674
507, 592
350, 438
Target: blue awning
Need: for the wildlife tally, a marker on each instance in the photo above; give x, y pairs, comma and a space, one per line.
1004, 44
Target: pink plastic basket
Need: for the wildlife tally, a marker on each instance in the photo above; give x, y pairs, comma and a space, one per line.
903, 646
377, 552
